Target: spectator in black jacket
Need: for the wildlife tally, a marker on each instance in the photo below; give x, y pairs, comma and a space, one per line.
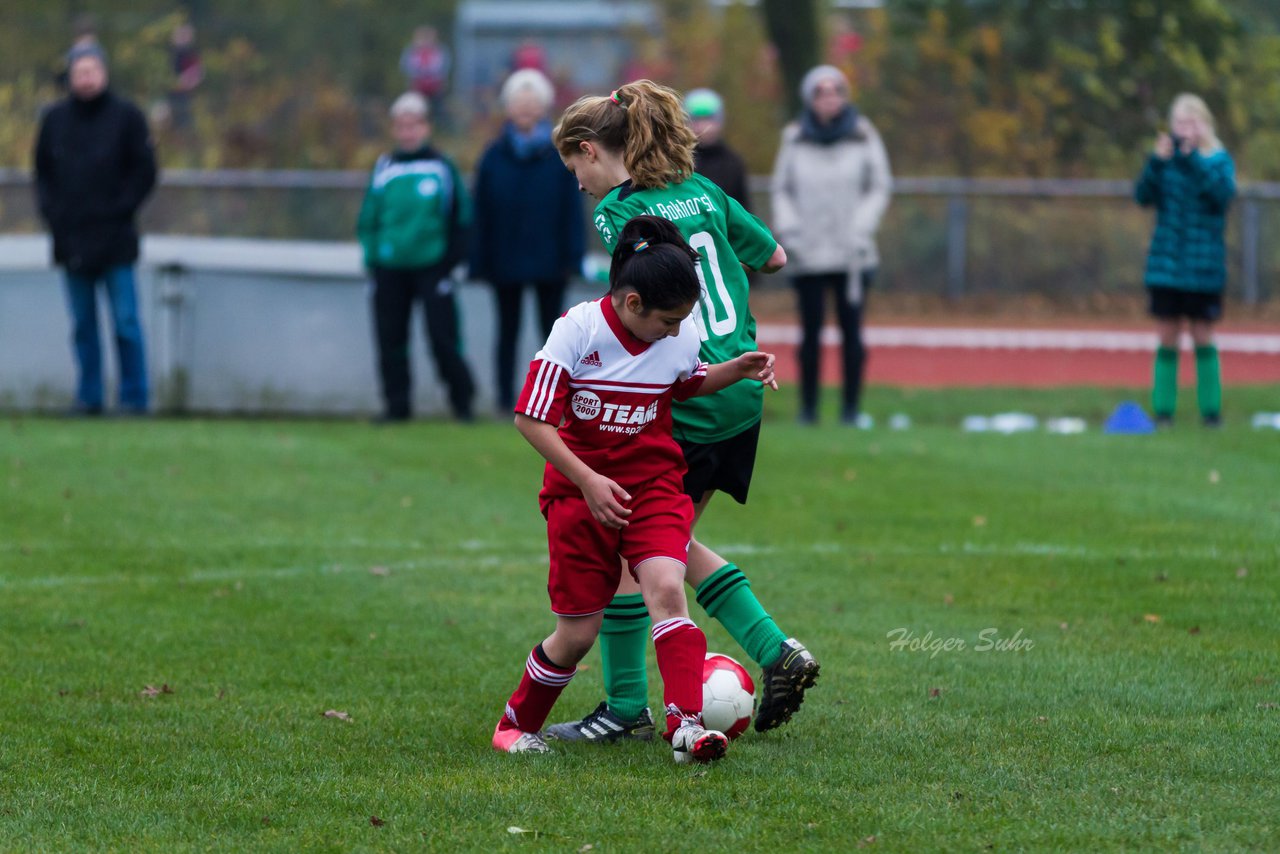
713, 158
528, 221
94, 168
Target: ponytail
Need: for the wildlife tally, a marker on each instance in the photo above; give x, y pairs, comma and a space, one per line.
644, 122
653, 259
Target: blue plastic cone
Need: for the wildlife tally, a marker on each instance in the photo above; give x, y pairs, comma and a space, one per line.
1129, 418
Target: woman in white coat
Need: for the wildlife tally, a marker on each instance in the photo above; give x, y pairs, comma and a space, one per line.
831, 186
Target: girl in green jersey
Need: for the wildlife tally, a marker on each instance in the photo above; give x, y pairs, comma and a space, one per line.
633, 151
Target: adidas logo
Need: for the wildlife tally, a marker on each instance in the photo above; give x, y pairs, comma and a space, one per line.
592, 359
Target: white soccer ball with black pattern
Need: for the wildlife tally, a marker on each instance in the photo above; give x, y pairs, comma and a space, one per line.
728, 695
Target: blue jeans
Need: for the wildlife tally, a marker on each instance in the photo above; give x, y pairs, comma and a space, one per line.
82, 302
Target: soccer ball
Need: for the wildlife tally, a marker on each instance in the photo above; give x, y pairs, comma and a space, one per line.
728, 695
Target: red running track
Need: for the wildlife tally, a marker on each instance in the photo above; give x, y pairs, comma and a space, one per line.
938, 357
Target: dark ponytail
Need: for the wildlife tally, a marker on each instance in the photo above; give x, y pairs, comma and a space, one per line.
654, 260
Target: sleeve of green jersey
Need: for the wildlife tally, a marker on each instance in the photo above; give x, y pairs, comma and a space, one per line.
606, 226
750, 238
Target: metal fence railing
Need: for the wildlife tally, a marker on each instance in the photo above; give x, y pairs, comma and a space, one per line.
954, 237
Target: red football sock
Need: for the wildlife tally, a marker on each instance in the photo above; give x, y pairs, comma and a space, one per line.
539, 689
681, 648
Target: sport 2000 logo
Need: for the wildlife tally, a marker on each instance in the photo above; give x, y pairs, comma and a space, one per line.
586, 405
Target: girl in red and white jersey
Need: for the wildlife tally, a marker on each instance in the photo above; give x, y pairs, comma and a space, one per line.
597, 405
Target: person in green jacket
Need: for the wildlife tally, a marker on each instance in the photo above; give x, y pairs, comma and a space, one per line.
413, 230
1190, 181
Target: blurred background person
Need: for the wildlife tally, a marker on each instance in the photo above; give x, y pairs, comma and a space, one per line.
94, 167
830, 189
528, 221
1190, 180
713, 158
413, 230
529, 54
425, 63
188, 73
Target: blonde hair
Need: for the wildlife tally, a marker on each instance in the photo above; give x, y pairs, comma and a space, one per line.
642, 120
1195, 105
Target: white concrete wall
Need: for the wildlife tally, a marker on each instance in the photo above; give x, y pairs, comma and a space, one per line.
252, 326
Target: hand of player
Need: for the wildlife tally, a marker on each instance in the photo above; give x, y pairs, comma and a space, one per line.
1164, 146
604, 498
758, 366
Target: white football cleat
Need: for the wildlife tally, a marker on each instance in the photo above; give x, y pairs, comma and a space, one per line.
510, 740
694, 743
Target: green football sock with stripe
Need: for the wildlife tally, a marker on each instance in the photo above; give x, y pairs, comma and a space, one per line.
1208, 381
624, 636
726, 595
1164, 387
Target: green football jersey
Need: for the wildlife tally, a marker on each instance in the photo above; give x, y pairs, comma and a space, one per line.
724, 234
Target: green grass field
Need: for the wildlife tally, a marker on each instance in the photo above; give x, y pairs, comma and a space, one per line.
269, 571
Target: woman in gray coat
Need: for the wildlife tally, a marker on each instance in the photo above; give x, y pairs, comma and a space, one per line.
831, 185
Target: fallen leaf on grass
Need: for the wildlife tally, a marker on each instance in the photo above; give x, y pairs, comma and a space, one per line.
1242, 572
935, 693
334, 713
948, 600
979, 521
1064, 626
153, 691
380, 571
1151, 618
375, 821
1194, 630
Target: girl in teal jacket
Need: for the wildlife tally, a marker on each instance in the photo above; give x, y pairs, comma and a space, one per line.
1190, 180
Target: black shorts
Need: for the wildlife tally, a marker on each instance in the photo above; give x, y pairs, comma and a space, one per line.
725, 465
1173, 304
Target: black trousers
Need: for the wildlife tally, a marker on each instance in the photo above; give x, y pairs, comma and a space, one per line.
394, 293
812, 293
509, 299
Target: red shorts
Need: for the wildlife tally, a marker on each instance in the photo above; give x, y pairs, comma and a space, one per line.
585, 569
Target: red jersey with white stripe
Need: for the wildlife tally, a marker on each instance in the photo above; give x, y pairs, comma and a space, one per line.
610, 394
